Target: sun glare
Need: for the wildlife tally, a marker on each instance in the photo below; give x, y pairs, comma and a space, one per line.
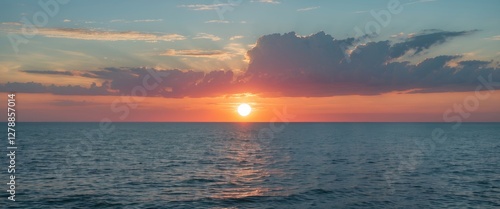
244, 109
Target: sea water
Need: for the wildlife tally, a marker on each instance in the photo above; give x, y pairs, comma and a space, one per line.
255, 165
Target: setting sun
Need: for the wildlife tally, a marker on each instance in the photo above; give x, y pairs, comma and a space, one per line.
244, 109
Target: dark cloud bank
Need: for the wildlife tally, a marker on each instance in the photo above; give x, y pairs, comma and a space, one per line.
291, 65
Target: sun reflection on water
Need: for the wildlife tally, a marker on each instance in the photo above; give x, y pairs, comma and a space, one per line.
249, 167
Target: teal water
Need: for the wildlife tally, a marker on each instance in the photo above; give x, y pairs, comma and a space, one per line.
231, 165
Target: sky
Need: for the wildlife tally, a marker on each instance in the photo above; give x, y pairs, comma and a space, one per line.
338, 61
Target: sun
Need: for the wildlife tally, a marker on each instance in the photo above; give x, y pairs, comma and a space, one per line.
244, 109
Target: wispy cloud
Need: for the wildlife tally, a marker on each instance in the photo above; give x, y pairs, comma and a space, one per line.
12, 23
72, 103
66, 20
418, 1
496, 38
204, 7
104, 35
236, 37
307, 9
135, 21
277, 63
117, 20
230, 51
207, 36
417, 43
217, 21
267, 1
49, 72
194, 53
149, 20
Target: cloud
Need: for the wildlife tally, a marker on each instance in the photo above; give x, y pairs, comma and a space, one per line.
204, 7
196, 53
123, 81
267, 1
418, 1
423, 41
149, 20
135, 21
192, 52
207, 36
104, 35
307, 9
217, 21
48, 72
236, 37
88, 74
315, 65
66, 20
398, 36
230, 51
117, 20
495, 38
12, 23
32, 87
294, 66
63, 102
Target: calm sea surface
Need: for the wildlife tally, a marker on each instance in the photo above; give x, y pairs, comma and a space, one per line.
255, 165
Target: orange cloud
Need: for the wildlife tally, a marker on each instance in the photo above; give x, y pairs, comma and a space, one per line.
104, 35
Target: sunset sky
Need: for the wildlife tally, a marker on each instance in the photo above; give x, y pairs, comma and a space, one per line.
386, 60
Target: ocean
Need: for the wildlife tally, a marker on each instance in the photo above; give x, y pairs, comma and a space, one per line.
255, 165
